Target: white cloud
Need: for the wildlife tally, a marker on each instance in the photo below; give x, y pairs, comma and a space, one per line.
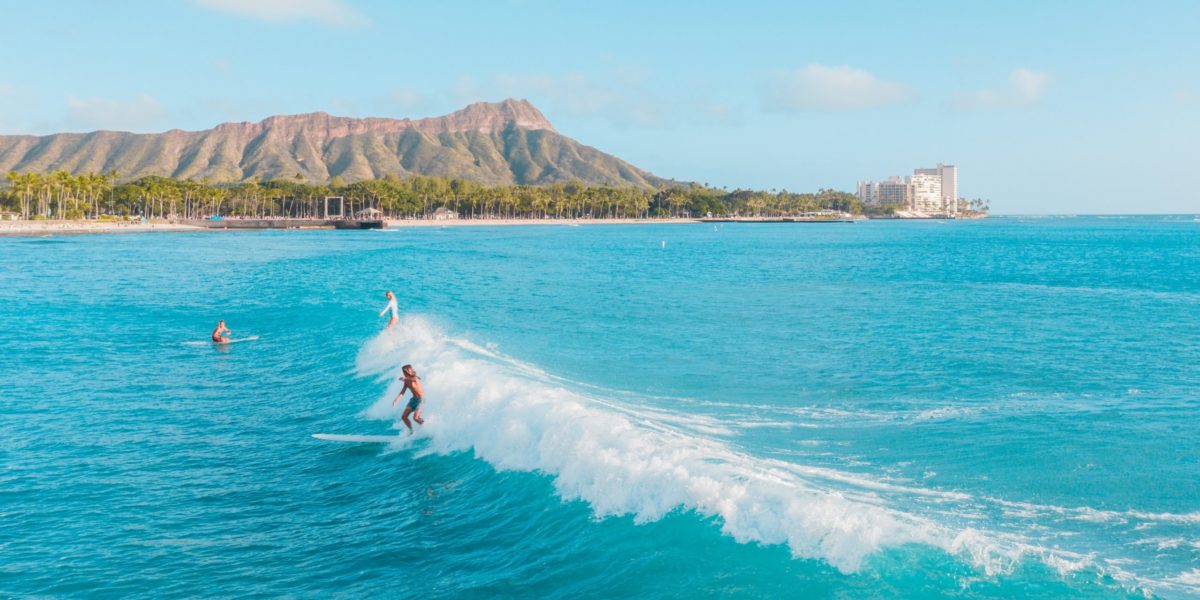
822, 88
1028, 86
141, 114
1025, 88
330, 12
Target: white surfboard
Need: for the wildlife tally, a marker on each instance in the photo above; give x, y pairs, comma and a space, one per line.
358, 439
211, 343
245, 339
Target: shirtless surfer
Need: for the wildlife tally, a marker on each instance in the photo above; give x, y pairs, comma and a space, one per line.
391, 305
411, 382
220, 335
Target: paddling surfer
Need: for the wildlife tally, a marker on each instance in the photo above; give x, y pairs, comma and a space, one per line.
411, 382
220, 335
391, 306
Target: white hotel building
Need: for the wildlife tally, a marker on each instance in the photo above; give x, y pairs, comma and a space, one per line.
926, 191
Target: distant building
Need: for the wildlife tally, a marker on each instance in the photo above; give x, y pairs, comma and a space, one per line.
866, 192
894, 192
443, 214
928, 191
948, 177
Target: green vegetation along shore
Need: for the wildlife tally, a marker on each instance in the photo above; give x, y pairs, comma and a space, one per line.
61, 195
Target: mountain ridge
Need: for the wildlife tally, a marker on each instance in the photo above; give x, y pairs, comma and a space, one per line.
507, 142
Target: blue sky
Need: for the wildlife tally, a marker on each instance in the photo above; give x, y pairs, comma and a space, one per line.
1046, 107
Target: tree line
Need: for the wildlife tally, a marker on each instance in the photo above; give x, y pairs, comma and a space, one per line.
61, 195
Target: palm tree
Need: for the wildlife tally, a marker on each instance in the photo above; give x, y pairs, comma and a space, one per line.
17, 182
112, 185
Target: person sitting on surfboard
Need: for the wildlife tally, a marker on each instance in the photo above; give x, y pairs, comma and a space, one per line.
221, 333
391, 305
411, 382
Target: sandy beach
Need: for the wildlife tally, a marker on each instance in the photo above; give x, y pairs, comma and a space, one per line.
490, 222
34, 228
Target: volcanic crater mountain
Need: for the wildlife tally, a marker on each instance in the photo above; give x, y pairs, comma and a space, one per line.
492, 143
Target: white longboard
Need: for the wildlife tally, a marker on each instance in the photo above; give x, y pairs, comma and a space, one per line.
358, 439
245, 339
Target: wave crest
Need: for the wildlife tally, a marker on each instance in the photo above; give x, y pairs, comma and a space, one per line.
625, 460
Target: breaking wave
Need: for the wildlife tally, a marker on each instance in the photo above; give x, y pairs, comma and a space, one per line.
647, 462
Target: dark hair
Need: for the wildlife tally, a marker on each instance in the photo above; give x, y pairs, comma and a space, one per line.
407, 368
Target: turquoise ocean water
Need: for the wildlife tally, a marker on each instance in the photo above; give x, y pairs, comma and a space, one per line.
1005, 408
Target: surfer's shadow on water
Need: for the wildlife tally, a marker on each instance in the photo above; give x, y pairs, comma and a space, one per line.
418, 444
435, 492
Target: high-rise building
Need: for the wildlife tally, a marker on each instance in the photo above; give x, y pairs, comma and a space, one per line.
868, 193
893, 191
948, 174
926, 193
930, 191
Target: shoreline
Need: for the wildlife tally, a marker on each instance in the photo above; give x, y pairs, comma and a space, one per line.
84, 227
402, 223
44, 228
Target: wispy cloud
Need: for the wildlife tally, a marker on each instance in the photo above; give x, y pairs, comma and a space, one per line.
1182, 96
1025, 88
823, 88
621, 96
407, 100
224, 69
720, 113
335, 13
142, 113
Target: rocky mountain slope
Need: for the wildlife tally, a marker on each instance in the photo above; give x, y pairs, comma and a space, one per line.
494, 143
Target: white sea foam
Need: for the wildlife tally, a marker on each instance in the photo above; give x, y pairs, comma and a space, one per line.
1167, 543
622, 463
1087, 513
624, 459
1187, 578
